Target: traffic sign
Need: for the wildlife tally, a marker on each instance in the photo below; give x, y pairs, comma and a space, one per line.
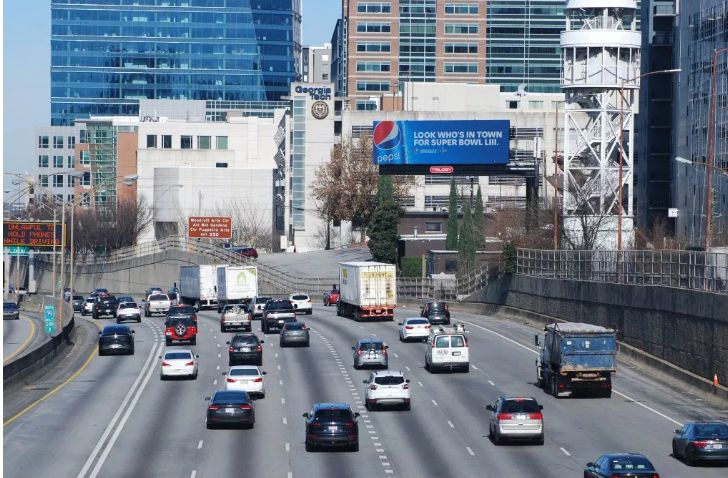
50, 319
210, 227
17, 250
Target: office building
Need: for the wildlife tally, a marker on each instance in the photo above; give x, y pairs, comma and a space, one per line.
377, 45
54, 154
316, 64
106, 56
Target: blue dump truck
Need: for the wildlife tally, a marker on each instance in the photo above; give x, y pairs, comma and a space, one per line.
576, 358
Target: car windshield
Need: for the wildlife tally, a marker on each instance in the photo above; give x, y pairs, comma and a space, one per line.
231, 397
91, 300
371, 346
244, 371
128, 305
115, 330
279, 305
9, 306
294, 326
245, 340
183, 309
436, 306
159, 297
332, 415
711, 431
389, 380
261, 300
520, 406
178, 356
300, 297
173, 321
630, 463
417, 321
77, 297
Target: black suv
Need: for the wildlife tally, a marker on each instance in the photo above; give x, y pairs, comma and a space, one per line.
105, 305
331, 424
436, 312
245, 348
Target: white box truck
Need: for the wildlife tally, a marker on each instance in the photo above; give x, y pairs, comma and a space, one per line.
236, 285
198, 285
368, 290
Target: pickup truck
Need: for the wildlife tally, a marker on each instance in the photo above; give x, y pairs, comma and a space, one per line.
157, 304
235, 317
276, 314
105, 305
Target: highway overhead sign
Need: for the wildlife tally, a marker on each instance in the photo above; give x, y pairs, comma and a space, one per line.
215, 227
33, 234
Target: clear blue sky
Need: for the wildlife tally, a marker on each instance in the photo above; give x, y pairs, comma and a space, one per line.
26, 69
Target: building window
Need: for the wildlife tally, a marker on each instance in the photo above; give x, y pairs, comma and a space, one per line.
461, 48
167, 141
374, 66
71, 142
71, 162
58, 181
372, 86
373, 47
324, 76
86, 179
373, 7
461, 9
221, 142
221, 165
83, 136
186, 142
203, 142
57, 161
461, 28
85, 158
43, 142
461, 67
513, 105
43, 161
369, 27
85, 199
151, 141
43, 181
535, 105
367, 105
58, 142
433, 227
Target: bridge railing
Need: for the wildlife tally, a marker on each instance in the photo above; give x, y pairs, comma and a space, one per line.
683, 269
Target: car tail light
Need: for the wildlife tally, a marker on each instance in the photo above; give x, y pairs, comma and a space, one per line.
408, 327
700, 444
190, 364
384, 351
535, 416
231, 380
316, 426
505, 416
260, 348
359, 352
165, 364
446, 307
231, 349
428, 326
213, 407
258, 380
405, 386
308, 300
372, 387
467, 342
246, 406
349, 424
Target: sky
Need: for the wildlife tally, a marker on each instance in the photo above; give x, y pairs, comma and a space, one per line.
26, 69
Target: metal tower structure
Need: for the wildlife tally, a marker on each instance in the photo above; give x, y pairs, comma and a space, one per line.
601, 69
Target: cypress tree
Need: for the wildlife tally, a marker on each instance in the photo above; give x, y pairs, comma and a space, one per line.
479, 222
383, 227
451, 243
466, 243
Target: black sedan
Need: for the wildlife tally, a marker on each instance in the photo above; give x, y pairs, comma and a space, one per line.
616, 465
244, 349
11, 311
230, 408
331, 425
116, 339
294, 333
701, 441
77, 302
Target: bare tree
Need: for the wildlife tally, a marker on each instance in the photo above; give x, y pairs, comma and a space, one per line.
251, 226
589, 223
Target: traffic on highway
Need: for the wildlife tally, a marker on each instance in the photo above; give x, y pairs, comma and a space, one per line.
355, 398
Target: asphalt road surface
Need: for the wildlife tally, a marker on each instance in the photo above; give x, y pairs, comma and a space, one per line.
117, 418
19, 336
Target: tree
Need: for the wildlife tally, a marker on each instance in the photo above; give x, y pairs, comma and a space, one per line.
479, 222
466, 242
383, 228
251, 225
451, 243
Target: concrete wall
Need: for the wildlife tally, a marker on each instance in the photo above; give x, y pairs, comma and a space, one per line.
686, 328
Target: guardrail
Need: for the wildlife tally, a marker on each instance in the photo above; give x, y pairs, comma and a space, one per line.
695, 270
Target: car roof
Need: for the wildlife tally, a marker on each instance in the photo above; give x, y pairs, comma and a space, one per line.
230, 394
625, 455
388, 373
10, 303
245, 334
331, 406
370, 340
117, 328
244, 367
517, 398
174, 351
708, 423
415, 318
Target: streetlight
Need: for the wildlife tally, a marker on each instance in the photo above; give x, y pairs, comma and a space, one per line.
621, 146
710, 160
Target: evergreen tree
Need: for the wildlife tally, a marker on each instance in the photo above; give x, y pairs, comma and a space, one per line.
479, 222
383, 227
451, 243
466, 243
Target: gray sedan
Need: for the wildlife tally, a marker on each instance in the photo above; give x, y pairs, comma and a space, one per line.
370, 353
294, 333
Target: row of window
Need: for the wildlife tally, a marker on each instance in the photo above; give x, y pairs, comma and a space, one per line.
57, 180
366, 66
386, 47
450, 8
386, 27
43, 161
44, 142
186, 142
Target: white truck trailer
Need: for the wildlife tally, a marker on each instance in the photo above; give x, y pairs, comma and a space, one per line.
236, 285
368, 290
198, 285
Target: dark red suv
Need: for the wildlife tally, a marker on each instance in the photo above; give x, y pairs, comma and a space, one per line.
180, 329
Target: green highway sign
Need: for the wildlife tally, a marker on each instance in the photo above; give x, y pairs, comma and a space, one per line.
50, 319
16, 250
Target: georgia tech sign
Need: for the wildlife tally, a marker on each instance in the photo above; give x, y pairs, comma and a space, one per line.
315, 92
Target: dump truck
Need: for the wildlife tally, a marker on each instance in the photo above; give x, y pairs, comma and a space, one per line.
198, 285
368, 290
576, 357
236, 285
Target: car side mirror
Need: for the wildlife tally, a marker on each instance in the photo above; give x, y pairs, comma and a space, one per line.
386, 346
227, 343
365, 381
207, 398
265, 373
590, 465
540, 407
535, 340
422, 307
407, 381
99, 332
677, 431
400, 323
305, 415
223, 374
262, 341
356, 415
160, 356
489, 407
133, 331
353, 348
197, 356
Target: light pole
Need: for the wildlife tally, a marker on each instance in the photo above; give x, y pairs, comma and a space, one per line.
710, 160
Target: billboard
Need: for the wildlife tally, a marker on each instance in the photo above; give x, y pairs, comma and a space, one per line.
37, 235
214, 227
441, 147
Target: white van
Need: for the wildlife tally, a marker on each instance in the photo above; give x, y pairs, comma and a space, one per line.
447, 348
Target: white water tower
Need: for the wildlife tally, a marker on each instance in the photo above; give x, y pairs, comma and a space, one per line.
601, 69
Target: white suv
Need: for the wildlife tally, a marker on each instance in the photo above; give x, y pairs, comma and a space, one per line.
301, 302
447, 348
387, 387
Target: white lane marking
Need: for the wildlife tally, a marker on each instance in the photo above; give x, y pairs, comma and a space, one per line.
385, 463
382, 457
279, 367
408, 369
564, 450
116, 434
434, 402
218, 355
396, 355
280, 382
451, 424
116, 416
218, 368
218, 345
380, 450
283, 401
199, 445
214, 336
535, 352
472, 453
285, 421
288, 447
373, 432
276, 354
194, 474
420, 383
491, 383
290, 474
474, 367
389, 471
214, 382
369, 426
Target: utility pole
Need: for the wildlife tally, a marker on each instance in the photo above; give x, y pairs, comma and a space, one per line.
54, 254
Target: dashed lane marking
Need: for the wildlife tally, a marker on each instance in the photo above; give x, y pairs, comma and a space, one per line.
472, 453
420, 383
194, 474
434, 402
199, 445
283, 401
288, 447
285, 421
214, 382
451, 424
565, 451
491, 383
396, 355
408, 369
475, 367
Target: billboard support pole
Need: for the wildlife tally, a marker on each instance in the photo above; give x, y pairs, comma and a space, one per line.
54, 254
17, 268
6, 270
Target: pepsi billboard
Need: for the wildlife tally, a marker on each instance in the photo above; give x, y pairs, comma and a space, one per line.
441, 147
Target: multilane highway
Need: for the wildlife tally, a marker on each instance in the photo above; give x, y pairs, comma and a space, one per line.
117, 419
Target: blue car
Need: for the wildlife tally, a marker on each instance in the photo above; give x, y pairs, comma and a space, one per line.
701, 441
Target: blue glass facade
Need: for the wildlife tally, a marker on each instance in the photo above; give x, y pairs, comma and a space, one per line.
108, 54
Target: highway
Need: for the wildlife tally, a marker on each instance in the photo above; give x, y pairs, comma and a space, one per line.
21, 335
118, 419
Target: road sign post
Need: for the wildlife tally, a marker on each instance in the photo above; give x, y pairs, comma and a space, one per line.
50, 319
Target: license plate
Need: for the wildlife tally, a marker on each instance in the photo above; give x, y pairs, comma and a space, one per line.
717, 446
246, 349
234, 323
108, 311
456, 354
520, 416
442, 352
333, 429
229, 410
115, 346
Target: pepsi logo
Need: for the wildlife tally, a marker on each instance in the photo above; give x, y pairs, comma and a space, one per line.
441, 169
386, 135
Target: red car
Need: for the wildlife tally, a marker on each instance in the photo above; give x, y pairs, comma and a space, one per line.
180, 329
331, 297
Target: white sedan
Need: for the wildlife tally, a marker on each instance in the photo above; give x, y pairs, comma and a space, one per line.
301, 302
179, 363
414, 328
246, 378
128, 311
387, 387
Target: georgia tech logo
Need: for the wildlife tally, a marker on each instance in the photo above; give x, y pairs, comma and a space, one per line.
387, 135
319, 109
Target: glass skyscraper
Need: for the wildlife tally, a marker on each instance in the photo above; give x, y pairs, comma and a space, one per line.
108, 54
